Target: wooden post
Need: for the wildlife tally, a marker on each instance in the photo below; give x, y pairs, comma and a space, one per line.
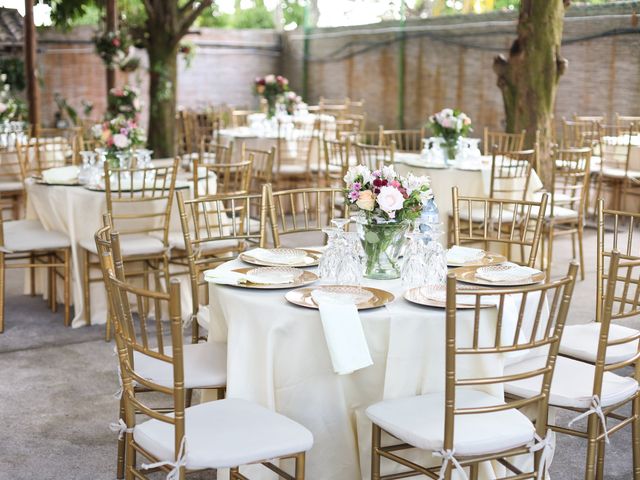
33, 88
112, 26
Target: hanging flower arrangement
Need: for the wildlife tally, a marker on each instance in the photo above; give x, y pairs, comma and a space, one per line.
188, 51
112, 47
124, 102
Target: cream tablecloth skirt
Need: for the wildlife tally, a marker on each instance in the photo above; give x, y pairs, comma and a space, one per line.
278, 357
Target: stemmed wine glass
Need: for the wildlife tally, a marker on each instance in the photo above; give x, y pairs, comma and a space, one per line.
88, 164
414, 268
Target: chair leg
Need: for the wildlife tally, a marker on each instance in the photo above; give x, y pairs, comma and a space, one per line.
600, 459
67, 287
376, 438
86, 287
54, 285
32, 276
129, 459
233, 473
474, 471
549, 250
635, 437
592, 434
122, 443
300, 466
2, 292
581, 249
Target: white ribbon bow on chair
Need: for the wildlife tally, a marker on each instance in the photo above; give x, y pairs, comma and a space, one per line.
120, 391
174, 473
120, 427
547, 445
596, 407
448, 457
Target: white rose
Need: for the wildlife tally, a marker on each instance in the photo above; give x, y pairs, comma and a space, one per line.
96, 131
270, 79
388, 172
120, 141
390, 199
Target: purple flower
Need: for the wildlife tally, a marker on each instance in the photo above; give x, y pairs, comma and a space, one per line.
356, 186
353, 195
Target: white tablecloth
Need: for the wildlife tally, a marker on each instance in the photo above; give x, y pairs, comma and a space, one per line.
77, 212
278, 357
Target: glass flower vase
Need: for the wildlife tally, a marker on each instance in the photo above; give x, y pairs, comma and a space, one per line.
382, 244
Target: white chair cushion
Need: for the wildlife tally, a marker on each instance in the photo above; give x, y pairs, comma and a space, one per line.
205, 365
477, 214
11, 187
293, 169
226, 433
29, 235
131, 245
419, 421
613, 172
558, 212
176, 240
581, 342
572, 384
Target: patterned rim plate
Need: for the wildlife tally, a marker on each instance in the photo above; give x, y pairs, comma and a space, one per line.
180, 185
74, 183
304, 253
304, 278
419, 296
468, 275
302, 296
488, 259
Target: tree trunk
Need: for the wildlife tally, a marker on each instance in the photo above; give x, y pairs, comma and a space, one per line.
163, 75
529, 77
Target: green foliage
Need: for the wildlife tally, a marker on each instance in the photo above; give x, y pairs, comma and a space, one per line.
13, 68
255, 17
293, 12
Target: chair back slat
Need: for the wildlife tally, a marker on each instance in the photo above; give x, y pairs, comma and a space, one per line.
374, 157
502, 142
510, 174
261, 168
405, 140
222, 178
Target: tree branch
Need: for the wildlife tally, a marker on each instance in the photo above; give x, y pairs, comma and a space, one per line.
188, 18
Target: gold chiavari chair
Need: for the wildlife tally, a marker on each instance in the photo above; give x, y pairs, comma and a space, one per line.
298, 212
508, 223
205, 363
208, 436
261, 168
42, 153
469, 422
505, 142
569, 183
366, 137
406, 140
589, 118
578, 134
336, 157
294, 152
139, 203
222, 178
615, 154
375, 157
359, 120
625, 121
12, 171
26, 244
581, 341
214, 152
593, 390
216, 229
240, 118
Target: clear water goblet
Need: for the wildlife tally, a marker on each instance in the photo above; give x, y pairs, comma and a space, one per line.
413, 271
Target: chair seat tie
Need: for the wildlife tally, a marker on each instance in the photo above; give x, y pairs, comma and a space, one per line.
596, 408
120, 427
548, 446
448, 457
118, 394
174, 473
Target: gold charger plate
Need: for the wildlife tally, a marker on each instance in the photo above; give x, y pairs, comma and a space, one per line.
488, 259
468, 275
306, 278
302, 297
310, 253
418, 296
75, 183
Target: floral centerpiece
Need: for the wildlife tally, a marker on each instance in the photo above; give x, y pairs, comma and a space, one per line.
123, 102
9, 106
450, 124
271, 88
119, 135
389, 204
291, 101
112, 47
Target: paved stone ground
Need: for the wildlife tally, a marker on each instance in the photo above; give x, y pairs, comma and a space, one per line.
56, 387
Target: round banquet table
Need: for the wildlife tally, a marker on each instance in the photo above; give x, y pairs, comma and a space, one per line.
278, 357
77, 212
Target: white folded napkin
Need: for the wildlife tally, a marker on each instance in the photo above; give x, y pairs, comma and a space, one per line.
515, 273
229, 277
461, 255
266, 255
61, 174
343, 332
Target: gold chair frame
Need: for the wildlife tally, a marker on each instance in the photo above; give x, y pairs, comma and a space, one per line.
406, 140
374, 157
336, 161
561, 292
262, 166
231, 178
503, 142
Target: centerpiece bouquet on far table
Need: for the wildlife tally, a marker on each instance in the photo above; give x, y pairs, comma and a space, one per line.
450, 125
389, 204
124, 101
271, 88
120, 136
